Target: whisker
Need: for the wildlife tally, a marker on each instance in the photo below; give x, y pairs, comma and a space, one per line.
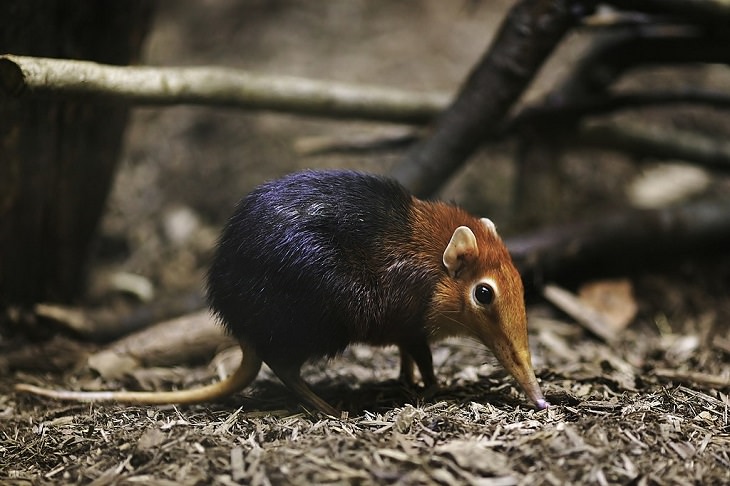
455, 321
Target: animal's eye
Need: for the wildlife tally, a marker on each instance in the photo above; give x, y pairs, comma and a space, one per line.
484, 294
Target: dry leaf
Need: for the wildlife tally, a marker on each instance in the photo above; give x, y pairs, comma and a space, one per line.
111, 365
474, 456
613, 299
407, 417
151, 439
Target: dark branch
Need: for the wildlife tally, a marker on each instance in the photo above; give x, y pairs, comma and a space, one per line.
602, 105
527, 37
656, 142
613, 53
705, 12
618, 241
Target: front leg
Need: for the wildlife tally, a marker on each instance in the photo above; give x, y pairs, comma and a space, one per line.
406, 375
417, 351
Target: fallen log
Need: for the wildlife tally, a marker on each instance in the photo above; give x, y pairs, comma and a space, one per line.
619, 241
188, 339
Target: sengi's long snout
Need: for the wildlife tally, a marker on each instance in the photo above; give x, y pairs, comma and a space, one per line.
514, 355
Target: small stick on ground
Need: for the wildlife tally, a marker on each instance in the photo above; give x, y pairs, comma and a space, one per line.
584, 315
704, 379
106, 324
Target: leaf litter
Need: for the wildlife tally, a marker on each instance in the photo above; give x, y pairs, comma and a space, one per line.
616, 418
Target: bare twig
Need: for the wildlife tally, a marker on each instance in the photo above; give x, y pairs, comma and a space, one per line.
707, 12
214, 86
723, 344
577, 108
705, 379
104, 324
586, 316
585, 90
657, 142
614, 53
356, 143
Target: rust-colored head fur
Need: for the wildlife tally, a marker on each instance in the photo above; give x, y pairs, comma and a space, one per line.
481, 293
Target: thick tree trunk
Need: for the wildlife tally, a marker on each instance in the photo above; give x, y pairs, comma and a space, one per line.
57, 158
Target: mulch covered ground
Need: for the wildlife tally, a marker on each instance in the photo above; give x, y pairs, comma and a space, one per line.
625, 412
613, 420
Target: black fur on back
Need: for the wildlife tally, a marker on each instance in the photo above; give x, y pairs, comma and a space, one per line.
317, 260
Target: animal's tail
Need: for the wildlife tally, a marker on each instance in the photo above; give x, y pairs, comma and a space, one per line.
241, 378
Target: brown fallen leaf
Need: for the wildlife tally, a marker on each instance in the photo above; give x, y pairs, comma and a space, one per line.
613, 299
150, 439
475, 457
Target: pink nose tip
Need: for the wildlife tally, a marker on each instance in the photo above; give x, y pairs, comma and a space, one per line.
542, 404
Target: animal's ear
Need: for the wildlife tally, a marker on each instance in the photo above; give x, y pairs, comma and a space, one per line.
490, 225
463, 246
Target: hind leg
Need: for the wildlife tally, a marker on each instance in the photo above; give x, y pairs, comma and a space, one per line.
291, 376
